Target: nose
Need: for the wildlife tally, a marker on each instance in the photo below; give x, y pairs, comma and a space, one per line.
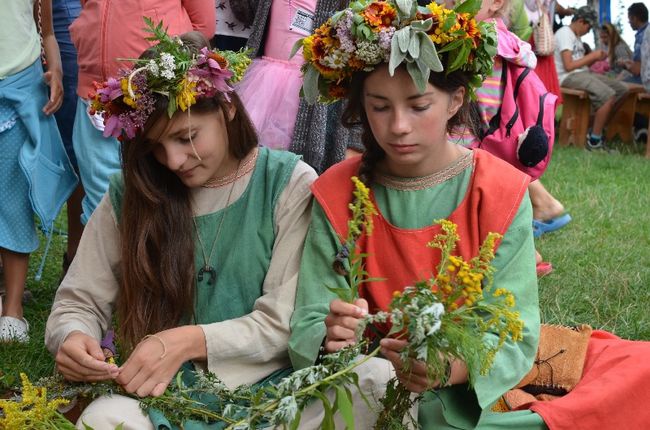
171, 156
399, 122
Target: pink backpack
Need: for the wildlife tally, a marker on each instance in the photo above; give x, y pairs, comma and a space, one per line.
522, 132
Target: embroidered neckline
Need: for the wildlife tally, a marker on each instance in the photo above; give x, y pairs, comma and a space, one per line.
246, 166
423, 182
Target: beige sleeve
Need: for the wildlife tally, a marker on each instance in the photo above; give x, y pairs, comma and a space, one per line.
84, 300
246, 349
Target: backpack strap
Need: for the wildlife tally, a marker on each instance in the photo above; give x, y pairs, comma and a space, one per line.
540, 115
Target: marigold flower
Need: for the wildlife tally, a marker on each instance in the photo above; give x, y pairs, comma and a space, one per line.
379, 15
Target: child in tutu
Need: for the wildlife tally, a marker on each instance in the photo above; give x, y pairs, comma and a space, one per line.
271, 89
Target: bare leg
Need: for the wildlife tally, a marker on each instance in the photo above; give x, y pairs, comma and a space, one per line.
75, 227
545, 206
15, 276
601, 116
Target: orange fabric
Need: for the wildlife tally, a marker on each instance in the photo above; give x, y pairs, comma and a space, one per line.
613, 393
108, 29
400, 256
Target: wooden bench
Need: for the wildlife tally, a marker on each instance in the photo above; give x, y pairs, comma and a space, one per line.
643, 107
621, 123
574, 122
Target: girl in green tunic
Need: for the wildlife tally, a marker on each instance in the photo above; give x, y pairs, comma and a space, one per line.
416, 175
193, 250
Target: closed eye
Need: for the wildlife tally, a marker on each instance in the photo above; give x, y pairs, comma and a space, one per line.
187, 139
421, 108
379, 108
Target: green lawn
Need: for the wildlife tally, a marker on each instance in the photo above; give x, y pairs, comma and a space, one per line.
601, 259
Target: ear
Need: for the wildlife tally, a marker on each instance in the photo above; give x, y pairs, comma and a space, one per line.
455, 102
231, 110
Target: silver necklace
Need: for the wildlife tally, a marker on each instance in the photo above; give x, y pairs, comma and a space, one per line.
207, 268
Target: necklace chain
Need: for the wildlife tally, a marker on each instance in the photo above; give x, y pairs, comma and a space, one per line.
246, 166
206, 261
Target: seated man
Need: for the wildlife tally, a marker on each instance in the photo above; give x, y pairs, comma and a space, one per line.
572, 69
637, 15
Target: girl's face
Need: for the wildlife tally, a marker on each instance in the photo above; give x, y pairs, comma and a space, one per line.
489, 9
173, 148
604, 35
410, 127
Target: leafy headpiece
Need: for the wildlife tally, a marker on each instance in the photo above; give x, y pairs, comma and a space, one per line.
174, 71
371, 32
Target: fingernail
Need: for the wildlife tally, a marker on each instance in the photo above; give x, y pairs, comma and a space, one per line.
361, 311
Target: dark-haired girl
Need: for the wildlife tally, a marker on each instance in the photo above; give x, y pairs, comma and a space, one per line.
416, 175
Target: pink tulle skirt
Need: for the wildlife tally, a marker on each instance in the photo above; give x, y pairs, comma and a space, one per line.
270, 92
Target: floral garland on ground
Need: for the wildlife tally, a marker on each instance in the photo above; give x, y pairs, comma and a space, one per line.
371, 32
444, 318
174, 71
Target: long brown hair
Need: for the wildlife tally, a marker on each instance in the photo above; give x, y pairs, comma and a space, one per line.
613, 39
157, 239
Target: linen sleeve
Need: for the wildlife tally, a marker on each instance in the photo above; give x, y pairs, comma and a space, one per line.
84, 300
515, 271
248, 348
202, 15
313, 298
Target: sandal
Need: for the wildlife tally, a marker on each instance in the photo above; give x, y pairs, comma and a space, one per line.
543, 268
540, 226
14, 330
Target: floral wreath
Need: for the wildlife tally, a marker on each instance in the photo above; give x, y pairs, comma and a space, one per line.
126, 101
371, 32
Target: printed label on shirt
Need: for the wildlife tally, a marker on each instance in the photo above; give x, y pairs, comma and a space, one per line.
303, 22
97, 119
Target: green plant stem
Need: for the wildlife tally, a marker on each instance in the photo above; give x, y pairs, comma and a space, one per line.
309, 388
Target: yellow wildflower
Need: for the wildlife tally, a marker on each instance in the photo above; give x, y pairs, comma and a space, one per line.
32, 410
187, 95
124, 84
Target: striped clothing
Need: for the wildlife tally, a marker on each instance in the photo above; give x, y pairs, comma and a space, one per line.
512, 49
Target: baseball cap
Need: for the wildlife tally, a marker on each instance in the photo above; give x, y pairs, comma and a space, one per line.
586, 13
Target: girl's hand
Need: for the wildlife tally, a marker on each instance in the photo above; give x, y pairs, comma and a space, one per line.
54, 81
80, 358
156, 359
342, 322
415, 379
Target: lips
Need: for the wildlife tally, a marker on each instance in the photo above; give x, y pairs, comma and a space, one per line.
403, 148
188, 172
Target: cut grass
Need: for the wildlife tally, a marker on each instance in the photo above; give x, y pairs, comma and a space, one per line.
601, 272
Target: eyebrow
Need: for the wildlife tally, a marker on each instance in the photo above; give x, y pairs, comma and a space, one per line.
181, 132
413, 97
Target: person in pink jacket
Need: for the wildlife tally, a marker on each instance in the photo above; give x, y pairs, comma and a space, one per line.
106, 33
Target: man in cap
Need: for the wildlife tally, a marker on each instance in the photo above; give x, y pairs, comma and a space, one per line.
573, 72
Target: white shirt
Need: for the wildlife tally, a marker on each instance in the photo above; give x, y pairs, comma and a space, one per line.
566, 40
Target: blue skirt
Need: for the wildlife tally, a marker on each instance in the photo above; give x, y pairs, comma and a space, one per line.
17, 227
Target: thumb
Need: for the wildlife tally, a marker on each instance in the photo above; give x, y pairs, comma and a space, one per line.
362, 303
94, 350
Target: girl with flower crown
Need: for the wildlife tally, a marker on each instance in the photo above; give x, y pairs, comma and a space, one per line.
193, 249
409, 75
